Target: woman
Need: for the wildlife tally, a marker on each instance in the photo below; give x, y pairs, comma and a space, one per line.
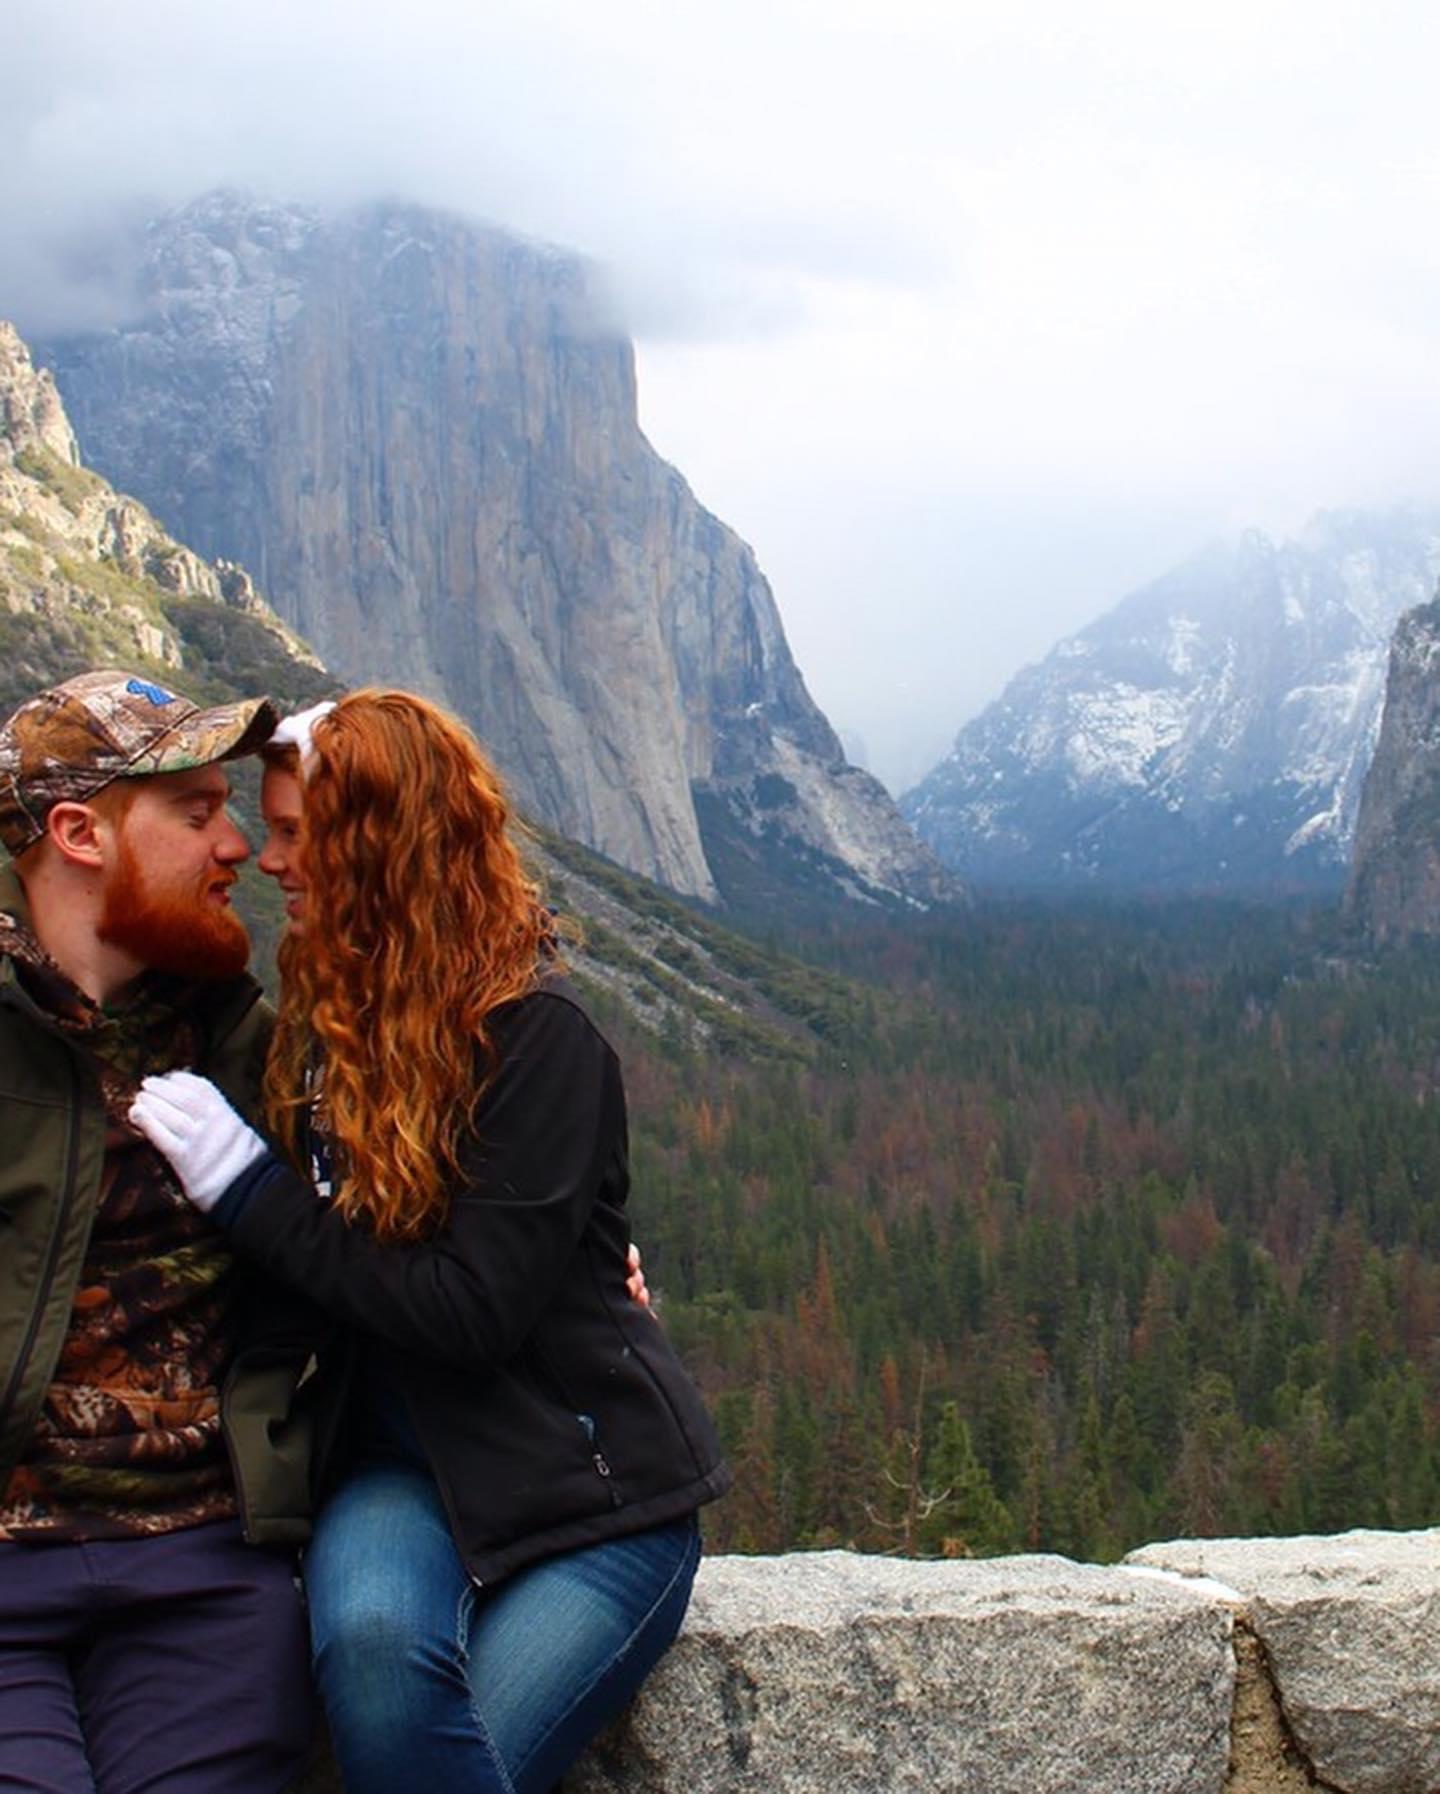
512, 1541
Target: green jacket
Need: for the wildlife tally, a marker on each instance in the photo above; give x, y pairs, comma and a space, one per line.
52, 1146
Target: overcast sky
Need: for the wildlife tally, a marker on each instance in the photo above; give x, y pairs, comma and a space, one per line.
970, 317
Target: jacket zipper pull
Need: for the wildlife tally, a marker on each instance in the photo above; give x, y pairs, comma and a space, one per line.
602, 1466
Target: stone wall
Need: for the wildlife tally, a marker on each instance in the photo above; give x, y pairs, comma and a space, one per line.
1250, 1666
1233, 1666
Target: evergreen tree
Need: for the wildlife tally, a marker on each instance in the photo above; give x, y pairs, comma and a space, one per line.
966, 1517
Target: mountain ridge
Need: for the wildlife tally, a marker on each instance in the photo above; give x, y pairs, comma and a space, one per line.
1210, 731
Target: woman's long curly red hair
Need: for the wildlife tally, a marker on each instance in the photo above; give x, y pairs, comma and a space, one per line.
419, 921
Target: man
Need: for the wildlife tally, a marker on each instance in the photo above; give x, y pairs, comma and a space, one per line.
148, 1428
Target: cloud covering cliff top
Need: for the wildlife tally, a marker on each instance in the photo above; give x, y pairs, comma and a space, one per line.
969, 316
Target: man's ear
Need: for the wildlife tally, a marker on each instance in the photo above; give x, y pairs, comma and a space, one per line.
78, 834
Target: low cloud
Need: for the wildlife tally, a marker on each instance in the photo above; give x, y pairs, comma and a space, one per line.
671, 156
1159, 270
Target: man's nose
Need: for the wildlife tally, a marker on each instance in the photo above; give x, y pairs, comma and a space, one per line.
231, 845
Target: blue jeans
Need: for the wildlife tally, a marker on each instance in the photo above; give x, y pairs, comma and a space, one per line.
431, 1683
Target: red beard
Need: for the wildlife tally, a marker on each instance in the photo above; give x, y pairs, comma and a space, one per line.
187, 933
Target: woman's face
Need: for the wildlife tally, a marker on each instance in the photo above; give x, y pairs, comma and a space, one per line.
281, 857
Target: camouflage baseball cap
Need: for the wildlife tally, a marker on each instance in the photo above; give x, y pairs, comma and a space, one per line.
73, 740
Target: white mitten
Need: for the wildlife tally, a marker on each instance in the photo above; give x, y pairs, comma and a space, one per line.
187, 1119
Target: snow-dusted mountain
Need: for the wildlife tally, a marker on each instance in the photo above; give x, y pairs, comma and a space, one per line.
1211, 732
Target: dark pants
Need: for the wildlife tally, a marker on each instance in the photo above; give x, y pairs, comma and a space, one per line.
167, 1665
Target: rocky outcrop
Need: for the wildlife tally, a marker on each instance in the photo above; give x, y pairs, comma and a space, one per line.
1236, 1666
1210, 733
32, 418
1349, 1628
1395, 882
422, 436
88, 577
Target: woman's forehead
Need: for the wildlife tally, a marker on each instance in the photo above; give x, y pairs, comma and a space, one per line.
281, 794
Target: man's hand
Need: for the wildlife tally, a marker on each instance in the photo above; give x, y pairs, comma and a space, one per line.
187, 1119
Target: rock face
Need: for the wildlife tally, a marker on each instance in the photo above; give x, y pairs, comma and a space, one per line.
32, 418
88, 577
422, 436
1349, 1626
1211, 732
1395, 885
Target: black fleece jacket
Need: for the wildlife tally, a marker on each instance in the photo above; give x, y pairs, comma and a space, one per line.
552, 1409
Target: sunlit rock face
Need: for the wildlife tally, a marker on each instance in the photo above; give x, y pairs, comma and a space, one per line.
422, 437
1210, 733
89, 578
32, 418
1395, 886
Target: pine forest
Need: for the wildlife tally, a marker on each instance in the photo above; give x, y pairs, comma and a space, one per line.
1081, 1227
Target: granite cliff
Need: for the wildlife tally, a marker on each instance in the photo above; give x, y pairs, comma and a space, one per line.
1395, 881
422, 436
89, 578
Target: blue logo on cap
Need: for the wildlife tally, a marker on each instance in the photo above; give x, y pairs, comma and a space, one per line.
157, 694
